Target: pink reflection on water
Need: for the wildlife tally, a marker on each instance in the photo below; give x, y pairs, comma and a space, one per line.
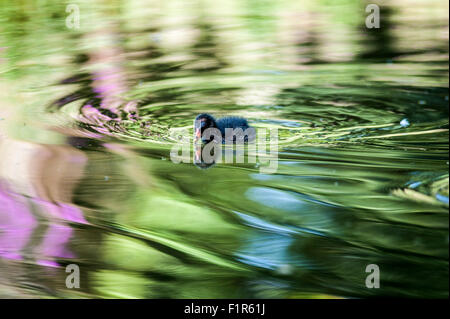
61, 211
109, 83
16, 225
54, 245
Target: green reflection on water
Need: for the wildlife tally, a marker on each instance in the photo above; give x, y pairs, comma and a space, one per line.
353, 186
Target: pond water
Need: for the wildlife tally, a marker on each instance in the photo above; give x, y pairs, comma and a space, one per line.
87, 116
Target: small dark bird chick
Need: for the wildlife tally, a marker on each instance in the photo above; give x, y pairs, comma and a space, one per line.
205, 121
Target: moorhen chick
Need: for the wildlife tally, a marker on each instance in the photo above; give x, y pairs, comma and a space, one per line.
205, 121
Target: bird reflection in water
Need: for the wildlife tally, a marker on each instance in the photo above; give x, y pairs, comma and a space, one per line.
202, 160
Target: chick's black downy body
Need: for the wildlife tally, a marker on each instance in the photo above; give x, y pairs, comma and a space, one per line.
242, 132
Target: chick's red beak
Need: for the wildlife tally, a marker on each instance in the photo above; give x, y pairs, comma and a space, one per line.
198, 134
